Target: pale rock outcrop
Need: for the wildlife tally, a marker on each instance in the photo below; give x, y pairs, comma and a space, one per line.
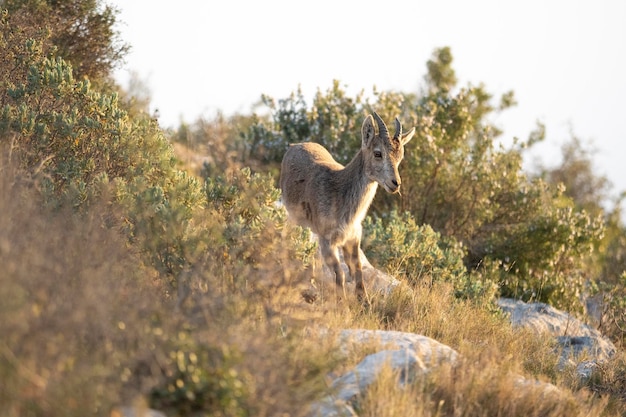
581, 345
409, 354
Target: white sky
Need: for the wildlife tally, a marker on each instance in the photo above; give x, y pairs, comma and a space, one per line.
565, 59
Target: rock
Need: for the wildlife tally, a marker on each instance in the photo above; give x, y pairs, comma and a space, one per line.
409, 354
544, 388
430, 350
577, 340
350, 385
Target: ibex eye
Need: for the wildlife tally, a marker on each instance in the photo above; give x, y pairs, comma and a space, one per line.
378, 154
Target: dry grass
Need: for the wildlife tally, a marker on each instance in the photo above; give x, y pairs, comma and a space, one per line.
72, 297
472, 389
486, 382
87, 327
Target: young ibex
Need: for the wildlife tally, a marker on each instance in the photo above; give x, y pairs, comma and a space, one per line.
332, 200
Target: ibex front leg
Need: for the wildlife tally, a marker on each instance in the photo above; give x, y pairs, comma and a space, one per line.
331, 259
353, 260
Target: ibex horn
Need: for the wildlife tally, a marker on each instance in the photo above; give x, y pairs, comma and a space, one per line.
398, 130
382, 128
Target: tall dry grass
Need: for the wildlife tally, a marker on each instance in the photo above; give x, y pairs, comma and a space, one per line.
502, 371
73, 299
472, 389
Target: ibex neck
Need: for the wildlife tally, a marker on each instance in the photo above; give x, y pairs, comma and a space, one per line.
358, 189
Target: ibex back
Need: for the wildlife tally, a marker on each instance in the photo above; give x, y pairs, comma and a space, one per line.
333, 200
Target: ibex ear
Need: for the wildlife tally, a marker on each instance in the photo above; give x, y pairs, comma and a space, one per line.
406, 137
368, 131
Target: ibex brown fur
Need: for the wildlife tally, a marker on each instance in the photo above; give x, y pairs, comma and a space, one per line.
332, 200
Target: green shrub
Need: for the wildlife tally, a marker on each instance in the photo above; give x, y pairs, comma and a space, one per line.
200, 378
397, 243
78, 145
82, 32
250, 237
334, 121
546, 258
460, 182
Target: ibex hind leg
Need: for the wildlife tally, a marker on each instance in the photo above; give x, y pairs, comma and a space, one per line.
331, 259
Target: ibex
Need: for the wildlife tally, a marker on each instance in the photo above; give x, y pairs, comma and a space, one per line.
332, 200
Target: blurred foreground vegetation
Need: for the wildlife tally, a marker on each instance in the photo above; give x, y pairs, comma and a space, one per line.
144, 266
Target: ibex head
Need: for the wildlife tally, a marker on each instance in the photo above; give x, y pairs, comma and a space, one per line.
381, 153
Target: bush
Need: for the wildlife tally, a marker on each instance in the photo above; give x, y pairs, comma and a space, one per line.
81, 32
74, 305
86, 327
250, 236
78, 145
333, 121
398, 244
457, 180
421, 255
200, 378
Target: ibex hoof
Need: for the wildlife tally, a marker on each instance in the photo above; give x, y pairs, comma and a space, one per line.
362, 297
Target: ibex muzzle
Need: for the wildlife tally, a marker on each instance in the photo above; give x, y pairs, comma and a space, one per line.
332, 200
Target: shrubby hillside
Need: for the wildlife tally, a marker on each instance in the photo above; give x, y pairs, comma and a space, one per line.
133, 275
